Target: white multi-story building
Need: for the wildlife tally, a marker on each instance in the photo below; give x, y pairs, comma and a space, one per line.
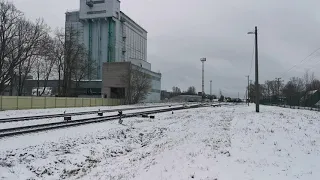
110, 35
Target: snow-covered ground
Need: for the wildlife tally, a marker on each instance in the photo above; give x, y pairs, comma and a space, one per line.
220, 143
74, 118
39, 112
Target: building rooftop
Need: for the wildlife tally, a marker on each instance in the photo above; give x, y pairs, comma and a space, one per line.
121, 12
72, 11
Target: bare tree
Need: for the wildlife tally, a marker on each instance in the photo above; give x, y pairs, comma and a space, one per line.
83, 69
252, 92
24, 70
191, 90
138, 84
221, 98
315, 85
9, 18
271, 88
308, 78
39, 65
20, 40
71, 61
58, 55
293, 90
43, 70
176, 90
311, 83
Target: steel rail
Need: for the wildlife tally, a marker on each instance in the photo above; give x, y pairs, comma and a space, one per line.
64, 124
29, 118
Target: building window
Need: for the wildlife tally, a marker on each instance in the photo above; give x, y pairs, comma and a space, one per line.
98, 2
96, 12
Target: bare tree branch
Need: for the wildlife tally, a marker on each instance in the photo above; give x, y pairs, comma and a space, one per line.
139, 85
20, 41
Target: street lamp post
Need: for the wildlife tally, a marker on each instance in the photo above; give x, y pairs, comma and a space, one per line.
256, 69
211, 98
203, 60
210, 87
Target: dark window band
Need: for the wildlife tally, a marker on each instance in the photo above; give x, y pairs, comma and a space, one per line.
97, 12
98, 2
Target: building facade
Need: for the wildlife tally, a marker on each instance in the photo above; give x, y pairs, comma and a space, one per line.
108, 34
115, 86
111, 36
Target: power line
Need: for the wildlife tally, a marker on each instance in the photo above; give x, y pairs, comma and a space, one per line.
301, 61
314, 65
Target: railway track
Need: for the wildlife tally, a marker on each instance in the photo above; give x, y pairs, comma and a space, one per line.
51, 126
29, 118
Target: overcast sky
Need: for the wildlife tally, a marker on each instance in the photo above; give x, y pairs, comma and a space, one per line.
180, 32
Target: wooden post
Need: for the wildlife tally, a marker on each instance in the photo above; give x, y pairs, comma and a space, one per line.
55, 102
66, 103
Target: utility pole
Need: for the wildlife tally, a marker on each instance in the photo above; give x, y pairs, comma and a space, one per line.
256, 70
248, 92
278, 93
278, 84
210, 87
250, 89
203, 60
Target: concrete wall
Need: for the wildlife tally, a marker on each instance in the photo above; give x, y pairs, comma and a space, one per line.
25, 102
112, 76
114, 72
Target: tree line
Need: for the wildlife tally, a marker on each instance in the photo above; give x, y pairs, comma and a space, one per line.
294, 92
191, 90
31, 48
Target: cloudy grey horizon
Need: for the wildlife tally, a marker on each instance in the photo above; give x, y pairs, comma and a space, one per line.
181, 32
